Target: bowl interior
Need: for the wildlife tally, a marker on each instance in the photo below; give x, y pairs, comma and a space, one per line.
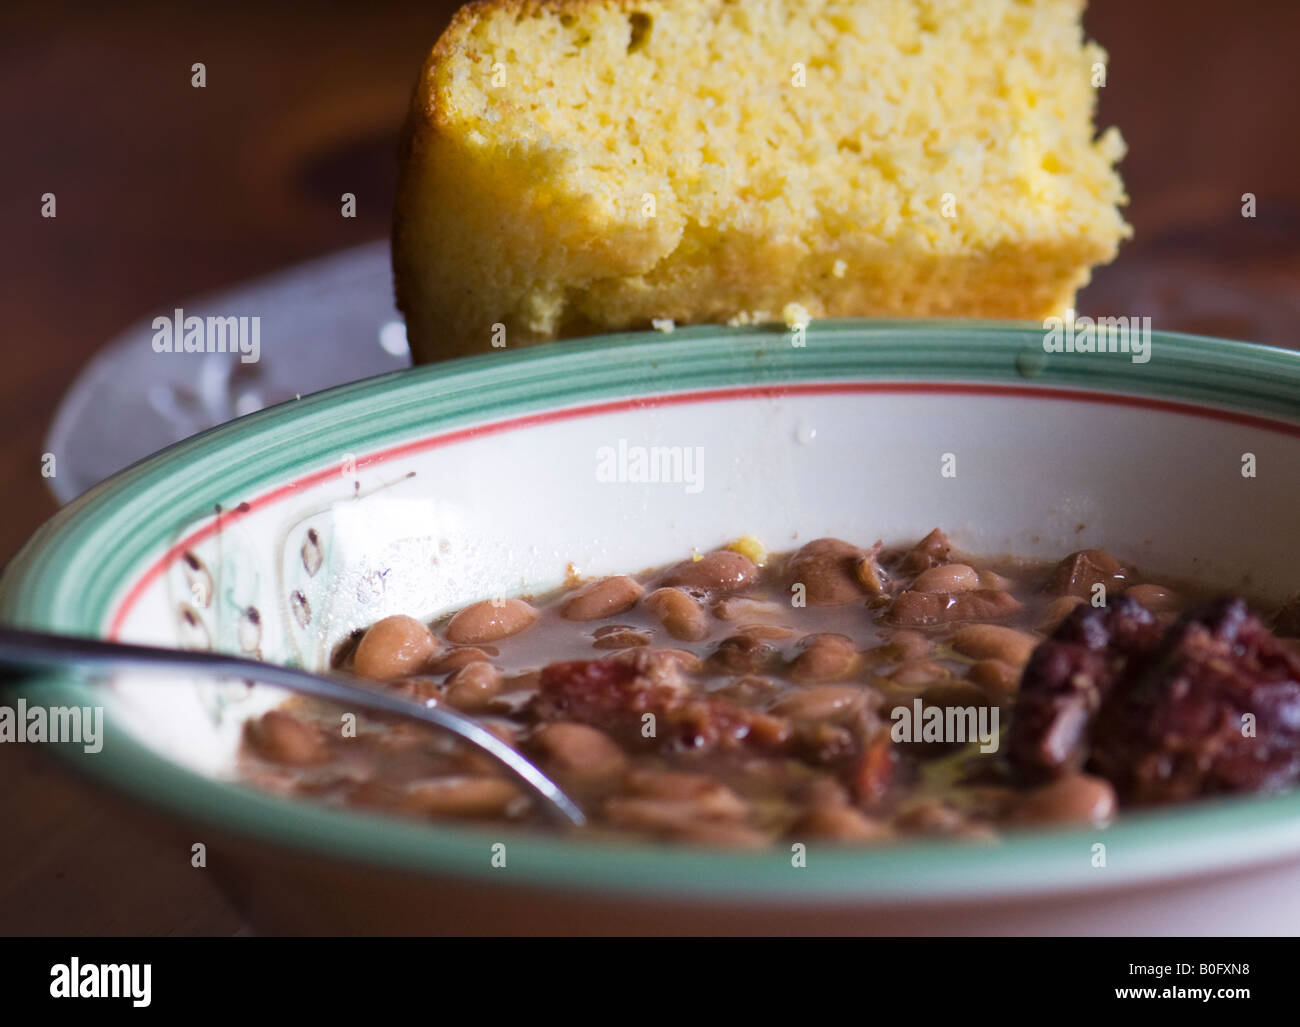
280, 534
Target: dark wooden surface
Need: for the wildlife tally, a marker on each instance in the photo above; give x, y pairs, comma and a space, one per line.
165, 191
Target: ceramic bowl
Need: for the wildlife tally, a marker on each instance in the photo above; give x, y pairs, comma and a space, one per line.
281, 532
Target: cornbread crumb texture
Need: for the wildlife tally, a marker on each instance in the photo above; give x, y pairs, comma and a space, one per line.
795, 314
582, 166
748, 545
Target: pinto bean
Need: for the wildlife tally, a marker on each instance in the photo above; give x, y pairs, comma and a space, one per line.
618, 636
745, 608
933, 817
825, 657
1079, 572
823, 702
604, 597
670, 784
999, 679
764, 632
741, 654
931, 551
992, 579
459, 655
822, 742
1073, 798
823, 790
904, 645
681, 614
394, 647
672, 815
870, 574
283, 738
916, 673
767, 731
718, 572
525, 680
579, 749
650, 814
460, 796
473, 687
920, 609
421, 689
835, 823
994, 642
709, 796
345, 649
950, 577
490, 620
1056, 611
828, 570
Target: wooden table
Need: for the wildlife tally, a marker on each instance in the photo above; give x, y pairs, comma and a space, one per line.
164, 191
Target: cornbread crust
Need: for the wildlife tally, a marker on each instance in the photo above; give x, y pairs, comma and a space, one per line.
965, 183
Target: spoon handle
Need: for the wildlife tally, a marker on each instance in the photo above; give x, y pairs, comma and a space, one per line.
23, 649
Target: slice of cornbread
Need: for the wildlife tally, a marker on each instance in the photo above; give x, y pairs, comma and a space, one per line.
587, 165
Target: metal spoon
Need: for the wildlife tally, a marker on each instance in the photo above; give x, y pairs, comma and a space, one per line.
27, 650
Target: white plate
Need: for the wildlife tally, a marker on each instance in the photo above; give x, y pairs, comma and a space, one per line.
324, 323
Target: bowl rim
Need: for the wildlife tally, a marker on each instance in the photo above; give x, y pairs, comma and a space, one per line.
46, 586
